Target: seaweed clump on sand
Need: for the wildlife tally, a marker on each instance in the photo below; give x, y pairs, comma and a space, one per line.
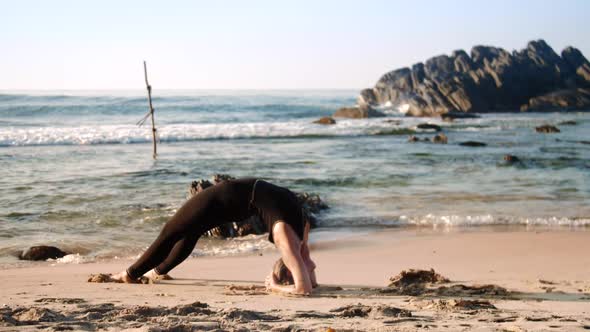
413, 282
104, 278
361, 310
311, 203
423, 282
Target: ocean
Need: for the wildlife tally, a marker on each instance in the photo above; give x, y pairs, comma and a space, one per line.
77, 172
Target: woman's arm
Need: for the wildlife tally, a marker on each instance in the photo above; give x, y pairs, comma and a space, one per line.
290, 247
309, 264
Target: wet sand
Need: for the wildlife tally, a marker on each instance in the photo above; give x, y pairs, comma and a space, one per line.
500, 280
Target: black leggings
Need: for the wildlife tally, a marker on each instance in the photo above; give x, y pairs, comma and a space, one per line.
168, 250
225, 202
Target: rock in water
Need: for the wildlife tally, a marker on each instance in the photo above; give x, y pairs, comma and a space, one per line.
413, 139
473, 144
357, 113
489, 79
568, 123
42, 253
547, 129
510, 159
440, 139
429, 126
326, 120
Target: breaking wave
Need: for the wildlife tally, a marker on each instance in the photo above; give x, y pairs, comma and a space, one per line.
128, 134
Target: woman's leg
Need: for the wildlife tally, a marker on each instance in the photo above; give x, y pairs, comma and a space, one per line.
156, 253
182, 249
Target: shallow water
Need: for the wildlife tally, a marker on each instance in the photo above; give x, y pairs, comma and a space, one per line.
76, 171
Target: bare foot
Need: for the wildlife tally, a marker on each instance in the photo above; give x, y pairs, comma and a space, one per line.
123, 277
152, 275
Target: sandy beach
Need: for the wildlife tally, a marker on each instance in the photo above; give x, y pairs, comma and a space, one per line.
541, 282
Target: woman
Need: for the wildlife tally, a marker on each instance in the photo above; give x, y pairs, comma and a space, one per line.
229, 201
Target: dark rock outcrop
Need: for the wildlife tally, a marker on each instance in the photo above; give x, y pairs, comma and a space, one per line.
473, 144
429, 126
326, 120
42, 253
357, 113
311, 204
573, 99
490, 79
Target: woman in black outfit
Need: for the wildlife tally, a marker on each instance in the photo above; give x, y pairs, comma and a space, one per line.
229, 201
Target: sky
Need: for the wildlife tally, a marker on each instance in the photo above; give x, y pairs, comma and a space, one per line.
252, 44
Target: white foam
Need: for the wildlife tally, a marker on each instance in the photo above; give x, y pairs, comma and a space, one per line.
403, 108
125, 134
70, 259
488, 220
242, 245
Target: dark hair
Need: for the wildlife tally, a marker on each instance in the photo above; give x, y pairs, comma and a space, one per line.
282, 273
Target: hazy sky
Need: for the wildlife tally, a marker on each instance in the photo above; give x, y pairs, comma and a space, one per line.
251, 44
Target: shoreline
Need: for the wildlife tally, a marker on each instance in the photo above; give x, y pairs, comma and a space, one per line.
547, 273
253, 245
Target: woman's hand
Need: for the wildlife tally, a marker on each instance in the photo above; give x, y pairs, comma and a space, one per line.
274, 287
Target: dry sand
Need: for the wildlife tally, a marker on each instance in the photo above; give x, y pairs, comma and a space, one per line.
541, 282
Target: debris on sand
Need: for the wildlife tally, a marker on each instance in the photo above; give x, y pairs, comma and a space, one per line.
242, 315
37, 315
361, 310
245, 290
413, 282
414, 276
103, 277
455, 305
476, 290
547, 282
195, 308
312, 314
421, 282
60, 300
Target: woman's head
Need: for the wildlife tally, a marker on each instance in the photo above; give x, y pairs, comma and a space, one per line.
282, 274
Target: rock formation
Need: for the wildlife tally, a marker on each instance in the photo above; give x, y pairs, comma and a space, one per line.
490, 79
547, 129
326, 120
42, 253
357, 113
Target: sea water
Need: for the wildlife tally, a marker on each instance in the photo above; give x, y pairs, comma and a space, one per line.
77, 172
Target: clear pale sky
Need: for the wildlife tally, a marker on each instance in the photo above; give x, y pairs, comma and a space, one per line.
251, 44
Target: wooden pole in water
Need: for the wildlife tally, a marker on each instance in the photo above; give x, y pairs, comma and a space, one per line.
149, 90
